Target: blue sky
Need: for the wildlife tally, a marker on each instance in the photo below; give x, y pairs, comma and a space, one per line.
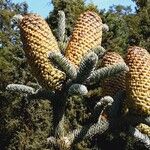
43, 7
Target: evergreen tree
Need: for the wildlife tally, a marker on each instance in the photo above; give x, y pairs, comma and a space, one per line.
117, 37
26, 125
72, 10
10, 45
139, 35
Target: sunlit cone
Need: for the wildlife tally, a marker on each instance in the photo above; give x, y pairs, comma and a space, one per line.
143, 128
87, 34
138, 80
112, 85
38, 40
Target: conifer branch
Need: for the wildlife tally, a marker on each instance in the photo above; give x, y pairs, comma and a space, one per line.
117, 105
105, 101
88, 131
59, 130
20, 88
147, 121
100, 107
105, 72
77, 89
17, 18
105, 27
42, 94
86, 67
64, 64
100, 51
61, 25
59, 107
140, 137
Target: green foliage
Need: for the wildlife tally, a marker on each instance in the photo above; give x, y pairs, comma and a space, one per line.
26, 125
13, 68
78, 112
117, 37
10, 44
72, 10
143, 14
127, 28
31, 125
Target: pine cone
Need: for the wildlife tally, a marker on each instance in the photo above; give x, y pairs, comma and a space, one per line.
112, 85
87, 34
38, 40
138, 80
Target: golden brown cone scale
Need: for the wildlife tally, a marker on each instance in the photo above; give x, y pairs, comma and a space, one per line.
112, 85
38, 40
138, 80
143, 128
87, 34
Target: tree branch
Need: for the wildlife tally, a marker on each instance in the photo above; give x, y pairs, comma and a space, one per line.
105, 72
100, 51
140, 137
88, 131
86, 67
20, 88
42, 94
77, 89
64, 64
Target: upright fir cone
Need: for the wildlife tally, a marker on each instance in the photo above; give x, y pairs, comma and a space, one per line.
111, 85
87, 34
138, 80
38, 40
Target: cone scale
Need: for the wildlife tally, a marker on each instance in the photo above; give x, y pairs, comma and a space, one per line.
143, 128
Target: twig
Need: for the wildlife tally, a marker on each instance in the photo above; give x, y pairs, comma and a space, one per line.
64, 64
88, 131
87, 65
105, 72
42, 94
140, 137
20, 88
77, 89
117, 105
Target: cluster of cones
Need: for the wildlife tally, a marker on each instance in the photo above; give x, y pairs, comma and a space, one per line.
135, 82
38, 41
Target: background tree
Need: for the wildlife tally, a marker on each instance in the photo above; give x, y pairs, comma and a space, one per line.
25, 125
117, 37
22, 123
139, 24
72, 10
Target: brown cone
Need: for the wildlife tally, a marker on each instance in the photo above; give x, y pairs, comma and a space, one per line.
87, 34
138, 80
112, 85
38, 40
